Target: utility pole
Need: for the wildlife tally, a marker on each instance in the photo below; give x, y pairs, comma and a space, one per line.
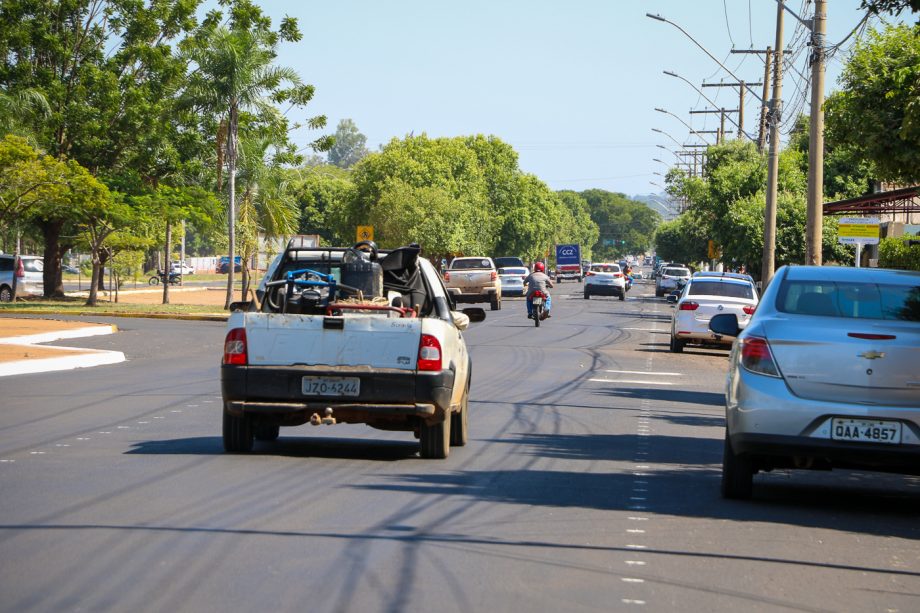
814, 230
767, 64
776, 104
720, 133
762, 133
742, 85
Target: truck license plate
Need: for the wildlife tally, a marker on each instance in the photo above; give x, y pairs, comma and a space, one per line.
866, 431
331, 386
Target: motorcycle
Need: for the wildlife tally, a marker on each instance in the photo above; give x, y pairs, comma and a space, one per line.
539, 307
174, 278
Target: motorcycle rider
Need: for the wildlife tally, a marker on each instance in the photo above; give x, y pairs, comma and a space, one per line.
537, 280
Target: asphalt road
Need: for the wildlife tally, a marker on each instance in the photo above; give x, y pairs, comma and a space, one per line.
590, 483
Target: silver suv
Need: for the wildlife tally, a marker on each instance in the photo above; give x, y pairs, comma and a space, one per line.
26, 276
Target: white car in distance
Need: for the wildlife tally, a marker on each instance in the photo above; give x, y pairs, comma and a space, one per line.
701, 299
605, 279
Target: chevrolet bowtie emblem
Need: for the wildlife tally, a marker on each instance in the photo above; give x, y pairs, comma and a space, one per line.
871, 355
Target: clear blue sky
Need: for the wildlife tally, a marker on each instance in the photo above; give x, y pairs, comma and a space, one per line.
571, 86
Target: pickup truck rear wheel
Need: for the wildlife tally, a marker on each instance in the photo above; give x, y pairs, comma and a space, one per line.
435, 440
238, 435
266, 432
496, 302
459, 421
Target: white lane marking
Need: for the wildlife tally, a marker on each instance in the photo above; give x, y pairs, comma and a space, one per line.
632, 601
158, 417
635, 562
631, 580
7, 461
124, 427
83, 438
175, 411
195, 405
635, 531
36, 453
640, 466
106, 432
143, 422
645, 372
636, 547
631, 382
61, 445
636, 518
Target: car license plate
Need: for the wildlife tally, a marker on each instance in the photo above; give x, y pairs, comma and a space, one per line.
866, 431
331, 386
537, 301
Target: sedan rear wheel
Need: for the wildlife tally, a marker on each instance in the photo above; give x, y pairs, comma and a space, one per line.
587, 294
737, 473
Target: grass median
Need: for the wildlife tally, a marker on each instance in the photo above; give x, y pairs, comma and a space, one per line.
186, 302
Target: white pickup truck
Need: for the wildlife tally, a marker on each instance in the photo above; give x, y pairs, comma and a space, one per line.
311, 350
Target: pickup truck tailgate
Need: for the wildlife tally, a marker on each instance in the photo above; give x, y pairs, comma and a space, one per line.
377, 341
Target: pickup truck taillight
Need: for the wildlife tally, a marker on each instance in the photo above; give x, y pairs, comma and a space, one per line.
493, 276
429, 353
235, 348
446, 276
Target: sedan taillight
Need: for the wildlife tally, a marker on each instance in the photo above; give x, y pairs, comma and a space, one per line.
235, 351
689, 306
749, 309
757, 357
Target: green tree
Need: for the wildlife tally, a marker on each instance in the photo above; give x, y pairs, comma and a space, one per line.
625, 225
350, 145
324, 194
877, 111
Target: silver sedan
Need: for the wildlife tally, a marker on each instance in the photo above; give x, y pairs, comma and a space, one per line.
826, 374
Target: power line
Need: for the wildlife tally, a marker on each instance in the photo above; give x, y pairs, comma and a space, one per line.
727, 26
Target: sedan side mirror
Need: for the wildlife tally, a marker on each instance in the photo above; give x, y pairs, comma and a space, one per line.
672, 298
725, 324
475, 314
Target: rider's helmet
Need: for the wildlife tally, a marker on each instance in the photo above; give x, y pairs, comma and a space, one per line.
539, 267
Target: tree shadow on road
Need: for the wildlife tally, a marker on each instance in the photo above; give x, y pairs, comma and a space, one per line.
716, 399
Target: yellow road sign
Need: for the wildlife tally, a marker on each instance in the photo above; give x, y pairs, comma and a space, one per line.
365, 233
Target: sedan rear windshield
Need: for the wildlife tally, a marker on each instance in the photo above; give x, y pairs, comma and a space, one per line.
467, 264
605, 268
850, 300
677, 272
718, 288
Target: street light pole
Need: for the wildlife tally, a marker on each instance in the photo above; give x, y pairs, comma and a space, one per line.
706, 51
700, 92
692, 131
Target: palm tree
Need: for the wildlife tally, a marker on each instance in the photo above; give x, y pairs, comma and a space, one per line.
235, 73
17, 108
267, 206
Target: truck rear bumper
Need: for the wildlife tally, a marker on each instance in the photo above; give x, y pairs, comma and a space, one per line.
386, 395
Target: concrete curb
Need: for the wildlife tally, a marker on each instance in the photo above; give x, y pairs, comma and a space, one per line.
81, 358
47, 337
